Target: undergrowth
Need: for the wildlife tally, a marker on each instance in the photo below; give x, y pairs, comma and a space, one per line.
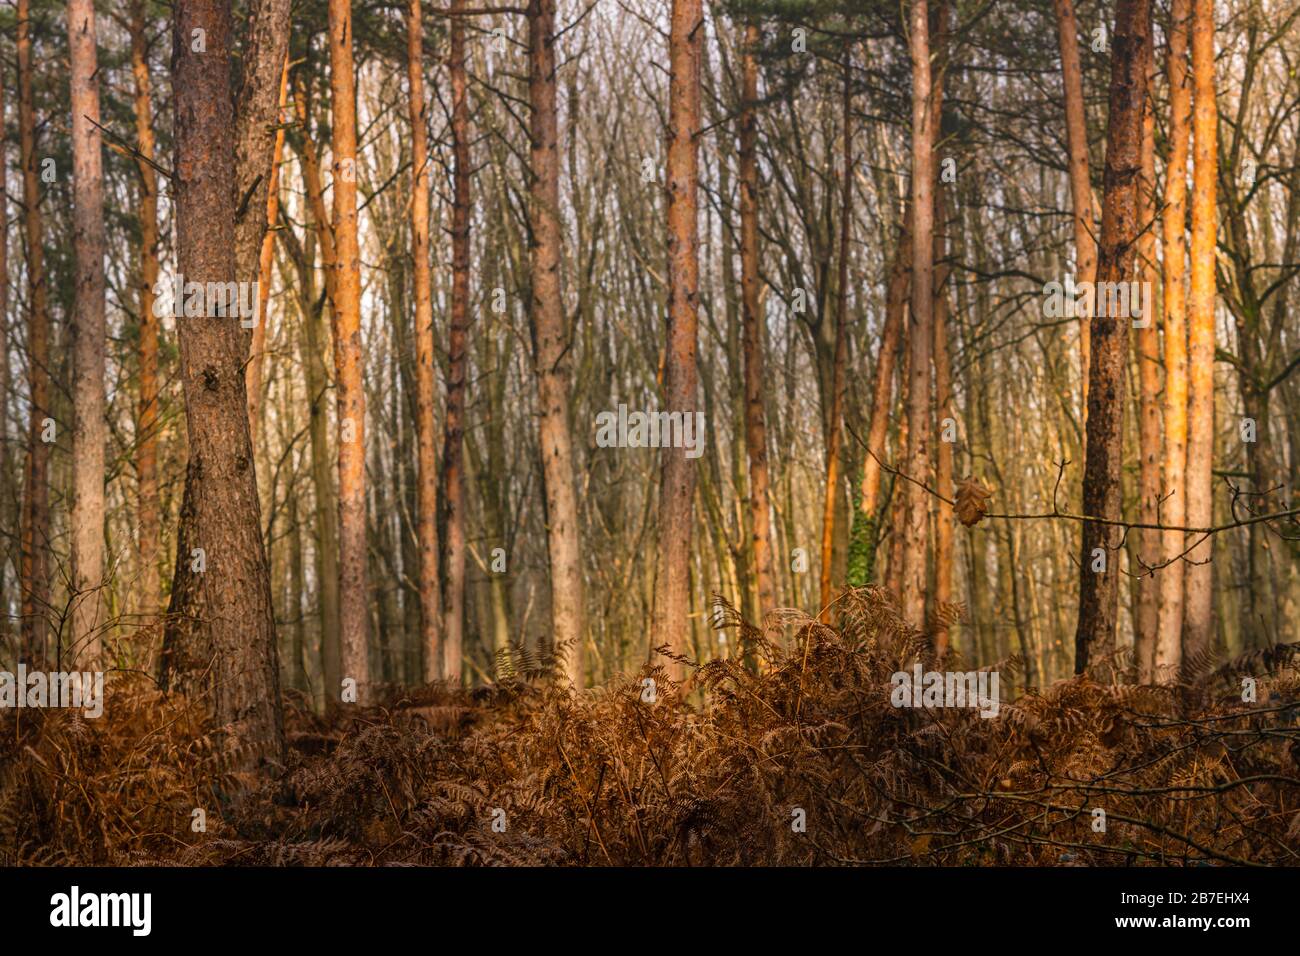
718, 771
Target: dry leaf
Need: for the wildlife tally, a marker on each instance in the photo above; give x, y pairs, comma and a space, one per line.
972, 501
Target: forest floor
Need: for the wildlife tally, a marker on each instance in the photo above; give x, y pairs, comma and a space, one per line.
806, 760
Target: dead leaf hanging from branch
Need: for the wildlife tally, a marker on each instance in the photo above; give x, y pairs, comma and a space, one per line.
972, 502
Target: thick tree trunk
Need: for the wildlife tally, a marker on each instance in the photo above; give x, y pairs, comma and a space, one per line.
220, 638
453, 470
1198, 628
1146, 622
34, 580
1173, 510
1076, 139
833, 446
425, 399
148, 519
754, 325
1099, 562
916, 518
671, 623
354, 594
551, 350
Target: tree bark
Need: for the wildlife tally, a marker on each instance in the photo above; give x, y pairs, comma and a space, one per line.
916, 518
35, 537
265, 262
1076, 139
453, 470
1146, 623
1198, 619
220, 637
90, 433
354, 594
425, 400
754, 326
835, 437
1169, 647
148, 523
1099, 584
671, 623
551, 350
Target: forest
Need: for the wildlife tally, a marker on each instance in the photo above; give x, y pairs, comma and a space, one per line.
650, 432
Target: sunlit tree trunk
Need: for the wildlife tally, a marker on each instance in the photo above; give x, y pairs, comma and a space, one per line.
1146, 623
835, 437
754, 326
148, 519
425, 399
265, 262
1099, 570
1076, 139
671, 624
916, 516
354, 594
1173, 510
551, 348
90, 433
1198, 629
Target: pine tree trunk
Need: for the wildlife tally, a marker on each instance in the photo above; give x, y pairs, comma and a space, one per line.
1100, 557
220, 638
90, 433
1076, 139
671, 623
453, 470
148, 523
916, 516
833, 447
425, 399
1173, 511
35, 540
1198, 627
754, 326
1146, 623
354, 594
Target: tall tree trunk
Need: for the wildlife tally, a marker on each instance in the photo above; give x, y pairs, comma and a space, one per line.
882, 401
551, 348
220, 638
916, 519
453, 470
148, 522
1076, 139
1098, 582
754, 326
7, 488
1169, 646
425, 400
1146, 624
835, 437
354, 594
265, 262
35, 537
943, 515
1198, 628
671, 624
90, 433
